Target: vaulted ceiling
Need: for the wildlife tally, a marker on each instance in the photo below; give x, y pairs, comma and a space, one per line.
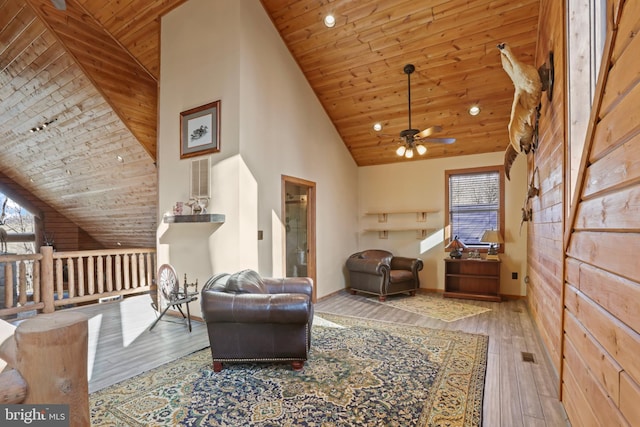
91, 73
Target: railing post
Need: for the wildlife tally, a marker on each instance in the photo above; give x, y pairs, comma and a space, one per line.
50, 353
46, 278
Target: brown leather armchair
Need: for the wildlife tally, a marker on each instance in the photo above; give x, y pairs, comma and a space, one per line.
380, 273
254, 319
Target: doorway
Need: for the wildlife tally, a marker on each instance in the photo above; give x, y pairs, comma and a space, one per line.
299, 209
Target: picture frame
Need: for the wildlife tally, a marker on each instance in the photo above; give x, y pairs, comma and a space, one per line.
200, 130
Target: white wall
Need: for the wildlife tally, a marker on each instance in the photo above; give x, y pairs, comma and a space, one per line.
420, 185
272, 124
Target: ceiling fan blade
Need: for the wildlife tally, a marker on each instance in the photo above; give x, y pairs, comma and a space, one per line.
59, 4
429, 131
439, 140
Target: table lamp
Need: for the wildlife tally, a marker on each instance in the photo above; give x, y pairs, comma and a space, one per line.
456, 247
494, 238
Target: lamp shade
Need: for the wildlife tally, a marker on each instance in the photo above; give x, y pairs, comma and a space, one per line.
456, 244
491, 236
456, 247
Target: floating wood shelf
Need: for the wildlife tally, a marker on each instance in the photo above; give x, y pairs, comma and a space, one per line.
421, 214
421, 233
190, 219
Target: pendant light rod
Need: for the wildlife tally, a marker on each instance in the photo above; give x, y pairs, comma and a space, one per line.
409, 69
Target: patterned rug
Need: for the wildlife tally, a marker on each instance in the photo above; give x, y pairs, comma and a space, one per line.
433, 305
360, 373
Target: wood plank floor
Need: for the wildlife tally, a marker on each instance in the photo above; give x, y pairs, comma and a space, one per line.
517, 393
122, 346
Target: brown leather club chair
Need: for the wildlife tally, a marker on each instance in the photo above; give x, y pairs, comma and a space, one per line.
258, 319
380, 273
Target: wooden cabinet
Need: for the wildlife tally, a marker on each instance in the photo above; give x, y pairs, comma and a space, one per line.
472, 279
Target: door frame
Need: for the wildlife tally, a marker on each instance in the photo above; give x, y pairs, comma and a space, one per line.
311, 224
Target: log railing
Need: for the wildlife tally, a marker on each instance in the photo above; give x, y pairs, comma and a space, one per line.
49, 279
47, 364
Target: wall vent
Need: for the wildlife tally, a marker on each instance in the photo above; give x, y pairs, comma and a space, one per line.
200, 180
528, 357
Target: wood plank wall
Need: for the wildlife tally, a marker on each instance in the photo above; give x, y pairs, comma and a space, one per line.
67, 235
601, 367
544, 231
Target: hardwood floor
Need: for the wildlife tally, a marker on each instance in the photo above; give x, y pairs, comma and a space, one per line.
517, 393
122, 346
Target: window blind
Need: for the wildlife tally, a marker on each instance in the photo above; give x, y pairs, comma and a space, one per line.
474, 205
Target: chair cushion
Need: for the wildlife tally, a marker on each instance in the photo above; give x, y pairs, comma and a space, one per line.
246, 282
397, 276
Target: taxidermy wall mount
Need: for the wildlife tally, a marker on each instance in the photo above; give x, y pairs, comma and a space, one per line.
529, 84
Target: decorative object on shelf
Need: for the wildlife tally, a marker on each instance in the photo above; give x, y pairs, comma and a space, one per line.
200, 130
474, 255
178, 208
456, 247
529, 84
198, 205
494, 238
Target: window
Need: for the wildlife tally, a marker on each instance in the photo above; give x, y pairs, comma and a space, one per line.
14, 219
586, 32
474, 203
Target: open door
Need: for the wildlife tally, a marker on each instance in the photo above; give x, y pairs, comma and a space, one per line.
299, 217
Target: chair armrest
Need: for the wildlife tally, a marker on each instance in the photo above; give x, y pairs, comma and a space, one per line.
404, 263
223, 307
289, 285
367, 265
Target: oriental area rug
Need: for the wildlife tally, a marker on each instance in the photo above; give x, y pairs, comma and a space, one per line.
359, 373
435, 306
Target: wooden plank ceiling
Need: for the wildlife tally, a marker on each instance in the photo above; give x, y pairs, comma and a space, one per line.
93, 70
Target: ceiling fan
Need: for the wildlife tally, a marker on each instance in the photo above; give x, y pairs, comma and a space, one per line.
413, 138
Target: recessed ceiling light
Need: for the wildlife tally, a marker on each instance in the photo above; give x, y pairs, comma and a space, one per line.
377, 127
329, 21
120, 159
474, 110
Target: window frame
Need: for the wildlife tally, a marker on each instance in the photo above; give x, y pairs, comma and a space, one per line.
501, 211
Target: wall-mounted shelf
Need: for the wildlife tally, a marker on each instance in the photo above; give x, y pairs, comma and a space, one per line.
421, 214
383, 233
191, 219
383, 217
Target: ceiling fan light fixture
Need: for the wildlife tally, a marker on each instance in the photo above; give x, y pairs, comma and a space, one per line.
409, 153
329, 21
421, 149
400, 151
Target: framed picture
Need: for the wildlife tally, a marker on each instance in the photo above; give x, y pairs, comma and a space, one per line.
200, 130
